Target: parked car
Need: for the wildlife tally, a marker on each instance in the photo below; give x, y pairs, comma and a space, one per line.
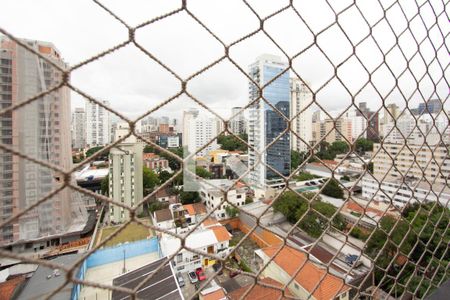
218, 267
200, 274
308, 184
234, 274
180, 279
192, 277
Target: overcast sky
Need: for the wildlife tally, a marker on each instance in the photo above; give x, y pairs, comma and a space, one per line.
133, 83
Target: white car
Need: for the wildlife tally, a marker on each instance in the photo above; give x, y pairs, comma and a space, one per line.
180, 280
192, 277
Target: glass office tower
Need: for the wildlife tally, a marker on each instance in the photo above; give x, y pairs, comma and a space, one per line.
266, 124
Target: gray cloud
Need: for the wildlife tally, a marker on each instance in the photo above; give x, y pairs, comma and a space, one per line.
134, 83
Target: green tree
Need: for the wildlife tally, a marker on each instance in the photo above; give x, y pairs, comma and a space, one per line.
345, 178
156, 205
164, 176
303, 176
104, 185
231, 143
333, 189
297, 158
363, 145
248, 200
92, 150
149, 180
202, 172
231, 211
189, 197
339, 147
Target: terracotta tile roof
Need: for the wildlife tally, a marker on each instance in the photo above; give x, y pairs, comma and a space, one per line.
215, 295
149, 156
209, 222
221, 233
7, 288
311, 275
195, 208
259, 292
353, 206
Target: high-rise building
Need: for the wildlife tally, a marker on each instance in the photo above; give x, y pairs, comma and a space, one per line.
432, 106
237, 123
409, 174
373, 130
78, 128
39, 130
330, 130
187, 116
98, 124
358, 124
200, 130
266, 124
125, 174
301, 98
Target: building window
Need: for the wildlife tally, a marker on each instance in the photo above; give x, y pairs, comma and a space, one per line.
179, 257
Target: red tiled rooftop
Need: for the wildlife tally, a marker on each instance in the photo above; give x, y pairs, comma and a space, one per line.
260, 292
8, 287
310, 274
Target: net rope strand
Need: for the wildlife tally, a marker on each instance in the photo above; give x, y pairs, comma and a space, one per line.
415, 273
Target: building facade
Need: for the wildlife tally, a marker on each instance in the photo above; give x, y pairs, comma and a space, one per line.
301, 115
212, 196
237, 123
78, 128
39, 130
266, 124
198, 131
125, 174
98, 124
358, 123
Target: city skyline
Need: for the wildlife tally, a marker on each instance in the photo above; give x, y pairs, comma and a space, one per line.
147, 84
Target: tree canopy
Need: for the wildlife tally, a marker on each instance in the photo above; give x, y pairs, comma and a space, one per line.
333, 189
231, 143
295, 207
149, 180
92, 150
297, 158
202, 172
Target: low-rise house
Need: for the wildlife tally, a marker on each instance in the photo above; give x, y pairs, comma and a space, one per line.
212, 196
212, 240
156, 163
213, 293
195, 212
179, 216
163, 195
309, 278
163, 218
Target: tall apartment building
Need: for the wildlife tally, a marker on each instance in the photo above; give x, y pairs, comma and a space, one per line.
78, 128
125, 174
200, 130
238, 124
373, 130
187, 116
98, 124
266, 124
301, 97
40, 130
330, 130
432, 106
358, 124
